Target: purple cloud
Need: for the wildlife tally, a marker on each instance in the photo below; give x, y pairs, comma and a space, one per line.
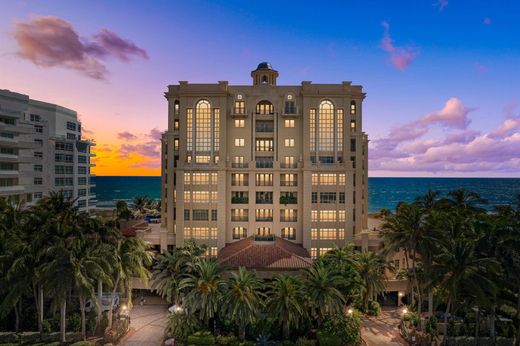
150, 148
400, 57
155, 134
126, 136
50, 41
453, 114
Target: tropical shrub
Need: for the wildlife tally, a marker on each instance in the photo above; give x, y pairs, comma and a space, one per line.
201, 338
302, 341
340, 329
225, 340
46, 326
181, 325
374, 308
411, 317
432, 326
74, 323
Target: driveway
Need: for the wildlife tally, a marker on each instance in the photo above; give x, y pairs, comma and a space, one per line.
147, 324
383, 330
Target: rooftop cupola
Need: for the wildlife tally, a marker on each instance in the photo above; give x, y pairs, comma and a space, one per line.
264, 74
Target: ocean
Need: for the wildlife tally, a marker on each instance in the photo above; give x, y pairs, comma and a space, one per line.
382, 192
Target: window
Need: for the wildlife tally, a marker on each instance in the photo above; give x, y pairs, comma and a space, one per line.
314, 252
288, 198
176, 144
63, 181
352, 145
35, 118
289, 233
263, 231
38, 181
264, 162
289, 142
239, 142
289, 123
38, 195
264, 108
327, 197
339, 126
353, 125
341, 217
314, 197
189, 129
324, 250
176, 107
264, 197
353, 107
82, 203
264, 126
71, 126
239, 179
203, 126
288, 180
65, 146
239, 197
289, 162
38, 168
342, 197
186, 214
341, 178
240, 107
325, 215
71, 136
264, 179
82, 181
288, 215
239, 214
240, 123
326, 126
82, 192
214, 214
324, 179
312, 120
38, 128
63, 158
264, 214
39, 141
239, 232
82, 159
176, 124
200, 233
290, 107
264, 145
63, 170
200, 215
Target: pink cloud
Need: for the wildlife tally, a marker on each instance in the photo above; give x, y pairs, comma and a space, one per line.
126, 136
400, 57
50, 41
155, 134
465, 151
487, 21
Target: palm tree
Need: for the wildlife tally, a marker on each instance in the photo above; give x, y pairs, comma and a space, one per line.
371, 268
466, 200
285, 302
131, 258
342, 260
323, 290
205, 287
243, 299
170, 269
141, 203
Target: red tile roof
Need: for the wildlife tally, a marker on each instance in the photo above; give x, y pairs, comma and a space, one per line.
279, 254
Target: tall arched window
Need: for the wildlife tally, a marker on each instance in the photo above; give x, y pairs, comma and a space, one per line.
264, 107
203, 127
353, 107
326, 127
203, 132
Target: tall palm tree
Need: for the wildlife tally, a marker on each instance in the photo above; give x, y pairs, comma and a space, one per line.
243, 300
205, 287
131, 258
342, 260
371, 268
286, 302
467, 200
170, 269
141, 203
323, 290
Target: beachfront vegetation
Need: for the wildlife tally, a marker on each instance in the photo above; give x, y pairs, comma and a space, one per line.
461, 260
52, 260
240, 306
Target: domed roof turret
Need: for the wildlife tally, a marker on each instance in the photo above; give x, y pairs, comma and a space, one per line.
264, 65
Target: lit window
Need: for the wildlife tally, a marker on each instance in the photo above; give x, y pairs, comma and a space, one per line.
326, 127
264, 145
264, 179
314, 252
240, 123
289, 233
264, 214
239, 179
289, 123
239, 214
239, 232
324, 250
240, 107
240, 142
312, 120
289, 142
353, 107
263, 231
288, 180
264, 108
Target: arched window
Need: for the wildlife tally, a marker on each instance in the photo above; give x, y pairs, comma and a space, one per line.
203, 132
353, 107
326, 126
290, 105
239, 232
289, 233
176, 107
203, 126
264, 107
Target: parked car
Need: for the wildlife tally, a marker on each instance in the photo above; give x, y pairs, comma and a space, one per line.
105, 303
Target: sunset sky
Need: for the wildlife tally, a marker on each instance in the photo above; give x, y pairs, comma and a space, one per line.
442, 77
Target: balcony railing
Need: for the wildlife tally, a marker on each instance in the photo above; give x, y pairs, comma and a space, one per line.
264, 218
264, 201
239, 200
239, 218
264, 164
288, 200
288, 218
288, 165
239, 165
288, 183
264, 237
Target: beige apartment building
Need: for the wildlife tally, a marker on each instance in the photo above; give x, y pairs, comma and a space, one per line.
42, 150
268, 163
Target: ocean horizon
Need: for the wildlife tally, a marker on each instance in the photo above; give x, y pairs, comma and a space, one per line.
383, 192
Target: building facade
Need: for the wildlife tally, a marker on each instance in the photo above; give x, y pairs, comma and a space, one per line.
265, 161
42, 150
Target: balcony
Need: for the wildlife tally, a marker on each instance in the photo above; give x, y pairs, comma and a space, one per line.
8, 173
239, 200
264, 218
263, 238
10, 190
12, 158
264, 127
239, 165
288, 165
238, 112
239, 218
288, 199
264, 201
264, 164
288, 218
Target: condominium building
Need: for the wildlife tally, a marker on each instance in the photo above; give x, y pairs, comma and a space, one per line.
42, 150
268, 163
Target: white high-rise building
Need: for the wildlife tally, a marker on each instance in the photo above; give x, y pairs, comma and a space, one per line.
42, 150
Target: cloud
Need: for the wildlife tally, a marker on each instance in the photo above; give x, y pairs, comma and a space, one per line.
50, 41
459, 148
400, 57
486, 21
126, 136
155, 134
441, 4
86, 131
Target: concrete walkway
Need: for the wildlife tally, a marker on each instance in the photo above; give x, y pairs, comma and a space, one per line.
383, 330
147, 324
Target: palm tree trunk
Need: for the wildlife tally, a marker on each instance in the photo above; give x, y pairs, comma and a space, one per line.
286, 330
112, 295
16, 318
517, 341
40, 317
430, 302
477, 325
242, 333
99, 300
83, 319
38, 307
492, 329
63, 319
446, 318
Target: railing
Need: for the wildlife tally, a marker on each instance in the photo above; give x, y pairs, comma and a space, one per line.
264, 201
264, 128
264, 237
264, 164
288, 165
264, 218
239, 110
239, 200
239, 218
288, 218
288, 200
239, 165
288, 183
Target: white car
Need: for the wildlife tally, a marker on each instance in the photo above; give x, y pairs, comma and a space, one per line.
105, 303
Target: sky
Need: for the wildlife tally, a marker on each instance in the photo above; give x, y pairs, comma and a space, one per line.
441, 76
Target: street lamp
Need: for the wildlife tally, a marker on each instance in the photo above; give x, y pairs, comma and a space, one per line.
405, 311
350, 311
